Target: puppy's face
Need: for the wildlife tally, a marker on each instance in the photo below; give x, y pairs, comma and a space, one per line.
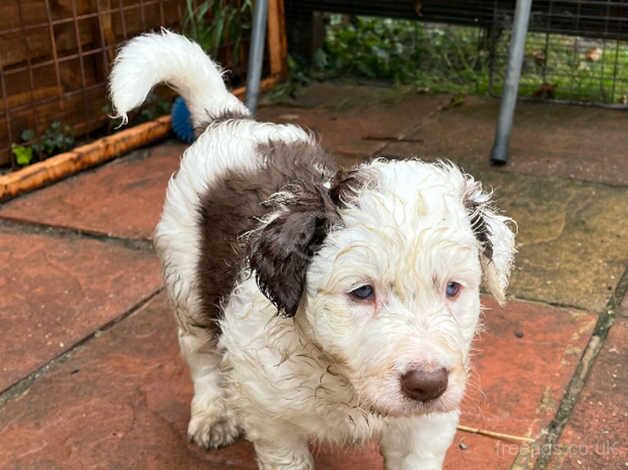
392, 293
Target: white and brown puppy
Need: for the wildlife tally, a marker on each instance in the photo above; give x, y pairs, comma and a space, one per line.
313, 303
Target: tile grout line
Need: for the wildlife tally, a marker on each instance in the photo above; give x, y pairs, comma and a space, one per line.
577, 383
24, 384
33, 227
549, 303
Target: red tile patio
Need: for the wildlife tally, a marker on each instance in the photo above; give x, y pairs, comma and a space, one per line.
596, 435
129, 389
121, 199
56, 291
91, 375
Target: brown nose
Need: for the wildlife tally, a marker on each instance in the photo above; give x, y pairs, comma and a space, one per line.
424, 385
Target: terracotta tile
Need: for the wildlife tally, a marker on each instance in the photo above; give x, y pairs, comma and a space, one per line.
623, 308
467, 451
121, 401
524, 362
55, 291
471, 451
596, 434
123, 398
123, 198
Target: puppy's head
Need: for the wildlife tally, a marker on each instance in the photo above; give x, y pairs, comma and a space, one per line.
384, 264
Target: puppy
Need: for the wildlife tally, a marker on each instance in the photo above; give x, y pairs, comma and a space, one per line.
314, 304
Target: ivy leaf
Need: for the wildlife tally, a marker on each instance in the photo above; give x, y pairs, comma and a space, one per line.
27, 134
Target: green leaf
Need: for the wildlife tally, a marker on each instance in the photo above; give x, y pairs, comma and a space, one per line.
23, 155
27, 135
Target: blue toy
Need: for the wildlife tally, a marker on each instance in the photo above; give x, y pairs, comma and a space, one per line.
182, 122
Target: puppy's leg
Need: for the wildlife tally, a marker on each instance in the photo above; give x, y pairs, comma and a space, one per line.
419, 442
285, 453
211, 423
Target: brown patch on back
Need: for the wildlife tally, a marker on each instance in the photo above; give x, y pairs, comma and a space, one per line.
236, 204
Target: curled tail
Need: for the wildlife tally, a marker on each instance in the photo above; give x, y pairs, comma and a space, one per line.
167, 57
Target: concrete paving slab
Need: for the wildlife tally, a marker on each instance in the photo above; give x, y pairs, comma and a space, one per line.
56, 291
121, 400
567, 141
123, 198
572, 238
596, 435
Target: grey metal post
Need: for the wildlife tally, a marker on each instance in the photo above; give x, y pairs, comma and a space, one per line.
256, 54
499, 153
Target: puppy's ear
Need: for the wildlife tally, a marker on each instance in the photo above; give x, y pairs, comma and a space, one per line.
495, 237
281, 251
303, 214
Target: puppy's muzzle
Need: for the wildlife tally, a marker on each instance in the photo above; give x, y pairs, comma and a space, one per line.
424, 385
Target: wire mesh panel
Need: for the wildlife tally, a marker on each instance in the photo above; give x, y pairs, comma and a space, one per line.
56, 56
576, 51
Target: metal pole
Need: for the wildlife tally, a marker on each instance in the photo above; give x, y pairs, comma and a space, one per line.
499, 153
256, 54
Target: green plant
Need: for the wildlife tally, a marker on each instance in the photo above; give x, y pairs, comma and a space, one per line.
214, 23
55, 139
298, 75
23, 154
436, 57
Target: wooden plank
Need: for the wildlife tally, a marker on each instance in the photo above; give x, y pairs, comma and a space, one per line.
17, 99
106, 27
277, 41
32, 13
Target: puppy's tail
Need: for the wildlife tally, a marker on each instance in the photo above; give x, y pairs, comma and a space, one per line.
167, 57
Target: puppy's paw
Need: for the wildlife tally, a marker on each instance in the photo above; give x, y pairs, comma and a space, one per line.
211, 431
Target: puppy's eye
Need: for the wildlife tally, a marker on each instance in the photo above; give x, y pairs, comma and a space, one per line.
364, 292
453, 289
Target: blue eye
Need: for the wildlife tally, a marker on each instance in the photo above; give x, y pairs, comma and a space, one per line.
453, 290
365, 292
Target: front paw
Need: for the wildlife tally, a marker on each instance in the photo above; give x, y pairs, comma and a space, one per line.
212, 431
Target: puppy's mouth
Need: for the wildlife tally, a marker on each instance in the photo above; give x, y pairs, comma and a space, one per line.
408, 408
399, 405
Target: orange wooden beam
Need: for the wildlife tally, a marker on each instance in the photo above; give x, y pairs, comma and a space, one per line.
277, 39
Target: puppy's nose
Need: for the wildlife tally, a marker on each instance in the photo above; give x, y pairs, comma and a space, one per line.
424, 385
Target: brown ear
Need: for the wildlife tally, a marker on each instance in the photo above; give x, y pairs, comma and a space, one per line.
281, 253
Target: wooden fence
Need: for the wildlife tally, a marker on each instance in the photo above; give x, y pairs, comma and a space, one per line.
55, 57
